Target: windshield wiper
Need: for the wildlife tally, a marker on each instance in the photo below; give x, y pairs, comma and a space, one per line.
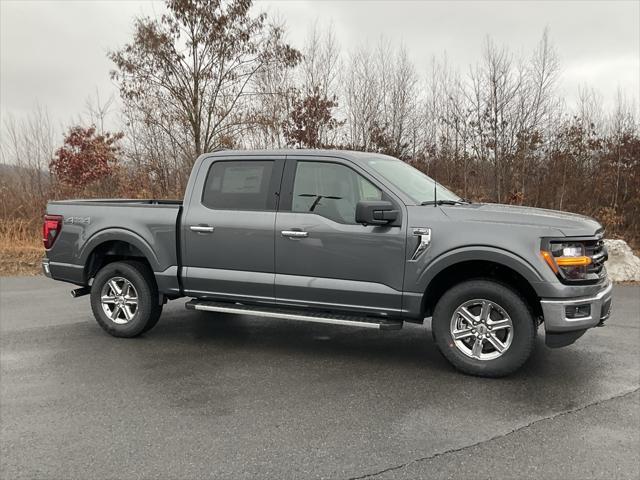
318, 198
445, 202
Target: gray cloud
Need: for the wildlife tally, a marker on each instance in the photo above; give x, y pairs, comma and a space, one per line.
54, 52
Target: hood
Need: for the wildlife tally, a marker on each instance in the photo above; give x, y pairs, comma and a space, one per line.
569, 224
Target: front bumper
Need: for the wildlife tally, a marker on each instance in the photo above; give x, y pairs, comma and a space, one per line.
593, 309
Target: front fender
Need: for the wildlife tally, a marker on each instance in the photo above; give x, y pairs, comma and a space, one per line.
483, 253
421, 279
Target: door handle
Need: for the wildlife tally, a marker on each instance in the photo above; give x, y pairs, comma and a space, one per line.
294, 234
201, 228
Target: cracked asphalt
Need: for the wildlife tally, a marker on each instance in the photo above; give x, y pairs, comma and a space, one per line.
218, 396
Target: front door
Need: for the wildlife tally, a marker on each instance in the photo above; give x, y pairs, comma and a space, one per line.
228, 229
324, 259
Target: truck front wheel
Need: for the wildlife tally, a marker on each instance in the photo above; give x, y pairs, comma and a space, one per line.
484, 328
124, 299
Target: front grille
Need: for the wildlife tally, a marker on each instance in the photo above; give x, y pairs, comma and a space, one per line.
598, 253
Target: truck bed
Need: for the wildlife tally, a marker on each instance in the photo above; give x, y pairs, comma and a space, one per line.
97, 225
118, 202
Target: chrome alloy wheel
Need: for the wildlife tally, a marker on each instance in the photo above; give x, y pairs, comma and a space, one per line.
481, 329
119, 300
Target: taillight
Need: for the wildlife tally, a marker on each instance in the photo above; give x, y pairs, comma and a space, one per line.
51, 229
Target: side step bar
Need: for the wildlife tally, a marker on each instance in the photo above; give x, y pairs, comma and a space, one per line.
300, 315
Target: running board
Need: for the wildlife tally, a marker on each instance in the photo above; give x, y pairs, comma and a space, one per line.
300, 315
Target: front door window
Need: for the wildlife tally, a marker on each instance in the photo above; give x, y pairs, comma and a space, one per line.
330, 190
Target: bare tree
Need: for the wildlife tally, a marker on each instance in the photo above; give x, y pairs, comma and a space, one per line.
622, 125
362, 98
97, 111
320, 66
270, 108
26, 148
319, 80
187, 72
399, 92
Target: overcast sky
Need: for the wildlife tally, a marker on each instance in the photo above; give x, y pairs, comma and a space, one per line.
54, 52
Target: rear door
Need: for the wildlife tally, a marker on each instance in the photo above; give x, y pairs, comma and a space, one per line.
228, 229
324, 259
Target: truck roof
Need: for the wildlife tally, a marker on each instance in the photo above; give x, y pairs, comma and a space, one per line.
348, 154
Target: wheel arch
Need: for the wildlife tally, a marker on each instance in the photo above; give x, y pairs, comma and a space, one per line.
114, 245
488, 263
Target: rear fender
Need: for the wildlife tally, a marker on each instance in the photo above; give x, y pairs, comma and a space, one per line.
123, 235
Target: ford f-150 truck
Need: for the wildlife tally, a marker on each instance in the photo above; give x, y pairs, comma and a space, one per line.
347, 238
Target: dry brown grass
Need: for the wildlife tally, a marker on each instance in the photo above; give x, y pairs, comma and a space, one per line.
21, 247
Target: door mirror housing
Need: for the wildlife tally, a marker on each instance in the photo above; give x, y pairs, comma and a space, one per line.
378, 212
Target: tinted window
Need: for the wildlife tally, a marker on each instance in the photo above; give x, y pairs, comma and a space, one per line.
240, 185
331, 190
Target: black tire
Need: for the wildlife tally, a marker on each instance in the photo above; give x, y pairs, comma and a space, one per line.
148, 309
523, 333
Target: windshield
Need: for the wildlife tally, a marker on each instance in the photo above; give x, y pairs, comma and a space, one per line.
411, 181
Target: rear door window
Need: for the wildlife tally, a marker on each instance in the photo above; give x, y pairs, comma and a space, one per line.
239, 185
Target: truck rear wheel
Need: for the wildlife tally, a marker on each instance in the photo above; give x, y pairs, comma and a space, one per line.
484, 328
124, 299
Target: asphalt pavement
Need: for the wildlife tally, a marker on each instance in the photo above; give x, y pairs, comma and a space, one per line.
206, 395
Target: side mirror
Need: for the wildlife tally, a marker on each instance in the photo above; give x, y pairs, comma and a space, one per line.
378, 212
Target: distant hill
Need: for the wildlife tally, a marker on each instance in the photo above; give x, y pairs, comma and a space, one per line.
8, 170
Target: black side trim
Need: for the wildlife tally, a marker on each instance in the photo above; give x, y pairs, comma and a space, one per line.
286, 186
557, 340
179, 248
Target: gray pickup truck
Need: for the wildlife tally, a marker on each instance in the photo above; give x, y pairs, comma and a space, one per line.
347, 238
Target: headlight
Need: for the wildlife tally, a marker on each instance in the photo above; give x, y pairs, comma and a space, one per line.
567, 259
